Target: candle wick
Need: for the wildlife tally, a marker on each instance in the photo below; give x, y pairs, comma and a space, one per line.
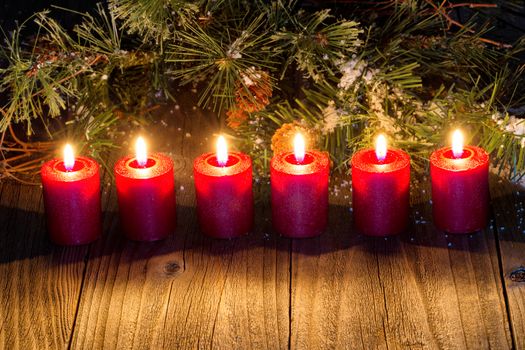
458, 155
142, 163
380, 158
222, 163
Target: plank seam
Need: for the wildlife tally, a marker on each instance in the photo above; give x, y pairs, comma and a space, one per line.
385, 303
166, 316
502, 279
290, 252
81, 289
220, 297
184, 251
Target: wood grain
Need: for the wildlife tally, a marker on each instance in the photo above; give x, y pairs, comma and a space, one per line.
188, 291
508, 202
421, 290
39, 282
424, 289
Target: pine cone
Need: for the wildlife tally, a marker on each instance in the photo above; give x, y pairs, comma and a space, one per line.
253, 93
321, 39
236, 117
282, 140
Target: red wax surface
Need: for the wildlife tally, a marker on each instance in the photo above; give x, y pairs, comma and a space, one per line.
300, 194
224, 195
146, 197
380, 192
460, 189
72, 201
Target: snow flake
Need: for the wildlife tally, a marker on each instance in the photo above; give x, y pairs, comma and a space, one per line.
331, 118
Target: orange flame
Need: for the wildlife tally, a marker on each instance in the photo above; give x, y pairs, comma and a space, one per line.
299, 147
457, 143
381, 148
141, 151
222, 151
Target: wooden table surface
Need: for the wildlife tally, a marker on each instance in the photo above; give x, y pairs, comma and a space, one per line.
423, 289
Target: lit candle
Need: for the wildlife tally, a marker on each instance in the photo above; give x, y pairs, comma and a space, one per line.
223, 187
299, 185
460, 190
146, 194
71, 188
380, 189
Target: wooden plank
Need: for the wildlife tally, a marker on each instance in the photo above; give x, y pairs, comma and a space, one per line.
39, 283
423, 289
508, 205
187, 291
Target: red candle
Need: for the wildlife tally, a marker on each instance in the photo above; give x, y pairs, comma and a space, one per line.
223, 186
380, 190
72, 199
146, 195
460, 190
299, 184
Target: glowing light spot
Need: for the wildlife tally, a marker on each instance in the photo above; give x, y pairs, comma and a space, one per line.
457, 143
222, 151
299, 148
141, 151
69, 157
381, 148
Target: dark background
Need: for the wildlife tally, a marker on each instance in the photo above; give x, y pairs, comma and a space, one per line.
12, 11
508, 19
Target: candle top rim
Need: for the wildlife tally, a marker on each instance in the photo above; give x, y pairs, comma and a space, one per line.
292, 159
202, 166
163, 164
89, 168
230, 161
320, 162
361, 160
479, 158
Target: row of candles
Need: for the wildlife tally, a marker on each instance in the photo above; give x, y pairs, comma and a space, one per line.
299, 192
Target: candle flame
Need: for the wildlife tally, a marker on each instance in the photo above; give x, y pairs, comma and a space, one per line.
69, 157
381, 148
299, 148
457, 143
222, 151
141, 151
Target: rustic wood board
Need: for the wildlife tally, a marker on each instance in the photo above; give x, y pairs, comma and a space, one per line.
39, 282
423, 289
187, 291
508, 205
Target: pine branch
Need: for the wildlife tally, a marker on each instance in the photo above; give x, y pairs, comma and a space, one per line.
313, 44
220, 58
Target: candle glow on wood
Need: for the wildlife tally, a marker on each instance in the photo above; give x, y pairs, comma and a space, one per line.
69, 157
299, 148
222, 151
457, 144
381, 148
141, 152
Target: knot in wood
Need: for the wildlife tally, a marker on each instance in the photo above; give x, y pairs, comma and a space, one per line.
179, 163
518, 275
171, 268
